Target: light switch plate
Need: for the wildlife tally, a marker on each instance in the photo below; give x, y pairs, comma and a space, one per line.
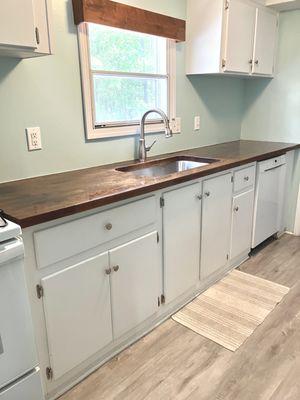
176, 125
197, 123
34, 141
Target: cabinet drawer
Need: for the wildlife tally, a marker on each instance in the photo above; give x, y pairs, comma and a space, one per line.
244, 178
64, 241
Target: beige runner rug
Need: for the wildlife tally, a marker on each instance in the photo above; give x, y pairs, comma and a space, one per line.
230, 311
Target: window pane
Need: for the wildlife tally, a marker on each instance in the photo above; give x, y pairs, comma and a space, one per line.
113, 49
119, 99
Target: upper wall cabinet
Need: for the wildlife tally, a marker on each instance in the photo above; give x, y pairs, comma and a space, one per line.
25, 28
230, 37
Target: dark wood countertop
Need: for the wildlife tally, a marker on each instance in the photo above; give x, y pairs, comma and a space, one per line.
36, 200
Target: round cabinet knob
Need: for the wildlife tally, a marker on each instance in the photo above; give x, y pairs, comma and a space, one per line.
116, 268
246, 178
108, 226
199, 197
207, 194
256, 62
108, 271
236, 209
251, 62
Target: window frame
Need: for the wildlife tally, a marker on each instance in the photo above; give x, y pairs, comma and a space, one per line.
119, 130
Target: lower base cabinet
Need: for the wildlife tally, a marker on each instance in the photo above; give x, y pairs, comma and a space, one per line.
135, 283
78, 313
181, 240
90, 304
242, 218
216, 224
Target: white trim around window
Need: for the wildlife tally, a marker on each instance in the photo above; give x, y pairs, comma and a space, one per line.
92, 132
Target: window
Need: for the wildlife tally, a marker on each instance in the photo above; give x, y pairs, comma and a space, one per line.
124, 74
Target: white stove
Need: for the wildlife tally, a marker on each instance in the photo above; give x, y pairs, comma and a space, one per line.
19, 371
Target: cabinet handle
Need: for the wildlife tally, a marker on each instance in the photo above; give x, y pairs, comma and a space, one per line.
251, 62
108, 226
207, 194
236, 209
256, 62
246, 178
116, 268
37, 35
108, 271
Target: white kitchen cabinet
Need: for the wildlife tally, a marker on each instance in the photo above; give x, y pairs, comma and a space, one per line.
230, 37
216, 224
88, 305
17, 25
135, 281
181, 239
239, 36
265, 42
78, 313
242, 219
25, 28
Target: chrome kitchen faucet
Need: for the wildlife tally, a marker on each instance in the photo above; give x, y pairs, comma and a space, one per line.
143, 149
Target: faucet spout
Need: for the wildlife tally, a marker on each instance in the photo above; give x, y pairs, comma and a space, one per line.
142, 143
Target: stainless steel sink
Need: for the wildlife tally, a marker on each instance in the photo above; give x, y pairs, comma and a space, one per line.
167, 166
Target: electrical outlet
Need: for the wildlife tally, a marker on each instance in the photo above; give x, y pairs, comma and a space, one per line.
34, 141
176, 125
197, 123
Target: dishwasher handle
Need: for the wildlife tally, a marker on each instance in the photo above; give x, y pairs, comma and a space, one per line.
272, 168
10, 250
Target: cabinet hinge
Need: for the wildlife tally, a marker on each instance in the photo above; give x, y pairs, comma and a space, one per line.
162, 299
232, 179
223, 63
157, 237
37, 35
39, 291
226, 4
49, 373
227, 256
158, 301
162, 202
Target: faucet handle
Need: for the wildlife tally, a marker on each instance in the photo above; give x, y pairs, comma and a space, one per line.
148, 148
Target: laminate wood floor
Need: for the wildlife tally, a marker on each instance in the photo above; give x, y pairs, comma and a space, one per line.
174, 363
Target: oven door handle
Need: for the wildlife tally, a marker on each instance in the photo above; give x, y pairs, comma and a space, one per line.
11, 250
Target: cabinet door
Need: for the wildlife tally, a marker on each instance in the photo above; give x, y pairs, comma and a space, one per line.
265, 42
134, 283
181, 241
78, 313
242, 217
239, 36
216, 224
17, 26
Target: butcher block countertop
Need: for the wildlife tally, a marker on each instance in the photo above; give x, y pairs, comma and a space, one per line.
33, 201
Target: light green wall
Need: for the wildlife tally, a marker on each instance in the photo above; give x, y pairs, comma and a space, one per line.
46, 92
272, 107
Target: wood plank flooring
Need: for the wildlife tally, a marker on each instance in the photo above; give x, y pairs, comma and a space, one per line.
174, 363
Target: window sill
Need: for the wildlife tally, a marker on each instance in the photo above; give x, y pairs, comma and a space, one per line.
104, 133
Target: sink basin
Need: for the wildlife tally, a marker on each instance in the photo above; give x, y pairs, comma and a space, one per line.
167, 166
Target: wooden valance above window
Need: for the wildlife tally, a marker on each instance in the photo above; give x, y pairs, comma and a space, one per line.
118, 15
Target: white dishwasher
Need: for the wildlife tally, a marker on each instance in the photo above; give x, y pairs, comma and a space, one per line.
269, 198
19, 372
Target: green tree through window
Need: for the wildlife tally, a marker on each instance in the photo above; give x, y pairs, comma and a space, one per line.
129, 74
